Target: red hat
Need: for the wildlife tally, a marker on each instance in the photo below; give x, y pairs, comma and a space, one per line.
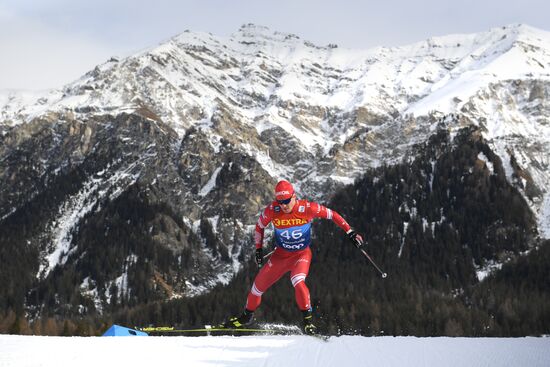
283, 190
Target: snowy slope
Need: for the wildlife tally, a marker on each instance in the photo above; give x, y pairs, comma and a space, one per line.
32, 351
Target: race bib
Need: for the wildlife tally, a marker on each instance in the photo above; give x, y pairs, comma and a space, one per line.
293, 238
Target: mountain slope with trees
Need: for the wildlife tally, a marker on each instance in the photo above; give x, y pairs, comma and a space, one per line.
431, 223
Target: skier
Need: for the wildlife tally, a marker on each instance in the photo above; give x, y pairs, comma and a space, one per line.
291, 220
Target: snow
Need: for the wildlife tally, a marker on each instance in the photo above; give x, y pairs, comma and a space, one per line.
343, 179
71, 211
13, 101
544, 217
211, 183
275, 351
275, 170
488, 163
405, 226
490, 267
77, 206
480, 60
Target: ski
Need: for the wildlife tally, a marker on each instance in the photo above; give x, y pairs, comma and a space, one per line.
206, 329
213, 330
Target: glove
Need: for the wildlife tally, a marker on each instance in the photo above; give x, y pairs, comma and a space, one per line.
355, 238
259, 257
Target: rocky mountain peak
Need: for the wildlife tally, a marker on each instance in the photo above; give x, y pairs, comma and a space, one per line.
253, 34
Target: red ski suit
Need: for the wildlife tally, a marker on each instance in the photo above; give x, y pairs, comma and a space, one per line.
292, 254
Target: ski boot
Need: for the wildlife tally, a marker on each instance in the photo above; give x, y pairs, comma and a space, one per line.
309, 328
238, 322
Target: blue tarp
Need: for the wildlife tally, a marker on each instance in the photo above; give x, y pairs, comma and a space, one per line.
117, 330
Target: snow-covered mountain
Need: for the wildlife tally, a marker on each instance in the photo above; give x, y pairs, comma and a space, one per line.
211, 123
328, 98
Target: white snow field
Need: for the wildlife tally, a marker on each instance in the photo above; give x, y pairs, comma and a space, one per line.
267, 351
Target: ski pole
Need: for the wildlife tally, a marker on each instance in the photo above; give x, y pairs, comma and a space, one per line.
268, 255
384, 275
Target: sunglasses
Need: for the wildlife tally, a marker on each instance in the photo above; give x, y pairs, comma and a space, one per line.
285, 202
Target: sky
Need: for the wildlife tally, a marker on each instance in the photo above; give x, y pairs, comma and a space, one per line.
49, 43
